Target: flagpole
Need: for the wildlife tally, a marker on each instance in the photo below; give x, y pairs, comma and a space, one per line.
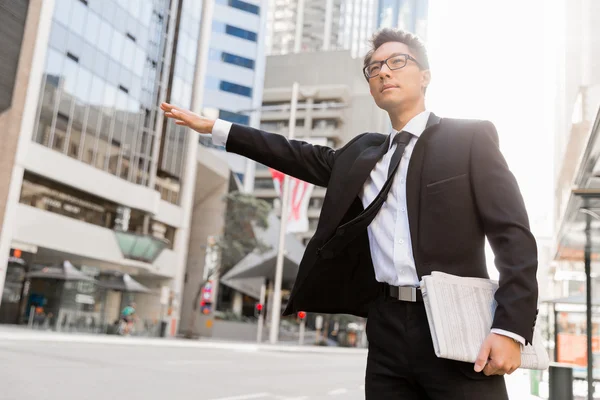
274, 333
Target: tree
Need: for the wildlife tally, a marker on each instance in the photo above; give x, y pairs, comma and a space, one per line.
244, 212
238, 240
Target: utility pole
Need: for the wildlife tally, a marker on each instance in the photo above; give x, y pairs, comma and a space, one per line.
275, 313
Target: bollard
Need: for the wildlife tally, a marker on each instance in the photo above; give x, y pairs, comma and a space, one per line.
301, 335
560, 382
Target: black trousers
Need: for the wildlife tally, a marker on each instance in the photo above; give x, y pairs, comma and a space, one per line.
402, 365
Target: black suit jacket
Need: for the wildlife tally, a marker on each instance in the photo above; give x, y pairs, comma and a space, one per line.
459, 190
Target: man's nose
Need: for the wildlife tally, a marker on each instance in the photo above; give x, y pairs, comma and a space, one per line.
385, 71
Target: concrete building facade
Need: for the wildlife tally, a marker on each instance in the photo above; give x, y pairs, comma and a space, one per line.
334, 106
98, 177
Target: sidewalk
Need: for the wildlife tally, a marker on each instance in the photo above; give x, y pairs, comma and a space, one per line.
16, 333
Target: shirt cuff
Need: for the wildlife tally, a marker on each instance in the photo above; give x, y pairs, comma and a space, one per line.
220, 132
511, 335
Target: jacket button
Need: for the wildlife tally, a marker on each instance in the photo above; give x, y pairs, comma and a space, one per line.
341, 232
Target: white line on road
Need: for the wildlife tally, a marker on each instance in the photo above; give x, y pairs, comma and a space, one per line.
244, 396
292, 398
197, 362
335, 392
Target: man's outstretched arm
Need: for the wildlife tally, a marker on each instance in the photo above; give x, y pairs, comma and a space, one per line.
296, 158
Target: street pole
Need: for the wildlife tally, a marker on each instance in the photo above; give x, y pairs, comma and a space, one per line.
274, 333
587, 256
261, 316
588, 300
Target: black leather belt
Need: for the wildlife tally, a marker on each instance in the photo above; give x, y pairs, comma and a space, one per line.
404, 293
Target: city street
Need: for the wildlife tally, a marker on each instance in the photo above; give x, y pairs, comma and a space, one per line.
51, 367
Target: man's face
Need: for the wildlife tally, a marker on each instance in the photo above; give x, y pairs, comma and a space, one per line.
393, 88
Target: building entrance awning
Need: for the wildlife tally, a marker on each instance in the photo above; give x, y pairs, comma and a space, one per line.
257, 264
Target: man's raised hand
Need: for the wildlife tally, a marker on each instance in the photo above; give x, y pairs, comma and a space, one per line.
187, 118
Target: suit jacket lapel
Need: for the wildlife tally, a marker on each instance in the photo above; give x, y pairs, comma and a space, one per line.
356, 178
413, 181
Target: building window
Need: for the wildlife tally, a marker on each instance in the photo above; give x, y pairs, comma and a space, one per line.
163, 231
324, 123
51, 196
235, 88
316, 202
263, 183
278, 125
221, 27
168, 188
241, 5
233, 117
237, 60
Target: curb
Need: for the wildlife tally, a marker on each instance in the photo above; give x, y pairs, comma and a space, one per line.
24, 336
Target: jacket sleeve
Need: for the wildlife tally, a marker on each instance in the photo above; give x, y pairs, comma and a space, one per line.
310, 163
506, 224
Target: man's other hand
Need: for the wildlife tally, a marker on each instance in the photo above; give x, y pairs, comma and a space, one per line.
187, 118
499, 355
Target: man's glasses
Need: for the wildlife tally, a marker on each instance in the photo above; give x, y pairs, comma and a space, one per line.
394, 62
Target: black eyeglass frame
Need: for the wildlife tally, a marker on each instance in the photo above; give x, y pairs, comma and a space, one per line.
406, 58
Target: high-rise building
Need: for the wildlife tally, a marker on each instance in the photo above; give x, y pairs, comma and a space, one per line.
236, 65
317, 25
99, 178
409, 15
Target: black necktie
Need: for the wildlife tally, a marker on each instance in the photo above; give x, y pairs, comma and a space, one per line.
401, 140
351, 229
368, 215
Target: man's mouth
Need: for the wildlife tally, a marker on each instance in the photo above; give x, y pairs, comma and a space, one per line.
386, 87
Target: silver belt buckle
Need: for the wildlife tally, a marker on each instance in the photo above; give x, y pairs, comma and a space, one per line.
407, 293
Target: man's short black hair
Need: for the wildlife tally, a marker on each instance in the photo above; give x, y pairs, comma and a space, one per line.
414, 43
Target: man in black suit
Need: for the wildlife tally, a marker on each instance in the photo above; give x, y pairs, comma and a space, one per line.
422, 198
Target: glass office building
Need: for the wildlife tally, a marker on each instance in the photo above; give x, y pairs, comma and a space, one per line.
100, 176
105, 74
410, 15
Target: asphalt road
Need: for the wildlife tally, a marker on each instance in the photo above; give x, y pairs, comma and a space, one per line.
51, 370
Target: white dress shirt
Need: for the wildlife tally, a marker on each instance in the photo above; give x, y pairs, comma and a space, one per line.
389, 233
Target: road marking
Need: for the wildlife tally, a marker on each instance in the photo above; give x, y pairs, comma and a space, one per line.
197, 362
244, 396
292, 398
335, 392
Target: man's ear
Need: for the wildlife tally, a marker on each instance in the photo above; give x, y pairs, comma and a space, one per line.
425, 79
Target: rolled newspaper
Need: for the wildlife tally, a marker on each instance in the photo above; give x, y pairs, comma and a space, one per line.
460, 312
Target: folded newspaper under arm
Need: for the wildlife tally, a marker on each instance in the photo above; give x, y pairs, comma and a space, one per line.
460, 312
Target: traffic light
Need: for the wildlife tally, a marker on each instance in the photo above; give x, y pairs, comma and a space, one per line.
301, 315
205, 307
258, 310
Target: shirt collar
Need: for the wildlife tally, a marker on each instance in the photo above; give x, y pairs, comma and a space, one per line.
415, 126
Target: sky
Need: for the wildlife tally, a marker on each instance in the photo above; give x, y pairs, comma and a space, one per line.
496, 60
